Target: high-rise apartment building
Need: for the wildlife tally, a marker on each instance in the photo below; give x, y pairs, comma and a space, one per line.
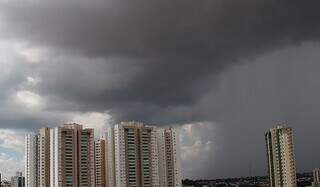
37, 159
316, 177
31, 160
44, 157
169, 157
281, 159
134, 153
110, 163
145, 155
100, 163
71, 156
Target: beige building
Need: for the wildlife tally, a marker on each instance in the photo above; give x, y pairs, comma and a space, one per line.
44, 157
316, 177
135, 152
110, 157
169, 157
100, 163
72, 156
281, 159
31, 160
144, 156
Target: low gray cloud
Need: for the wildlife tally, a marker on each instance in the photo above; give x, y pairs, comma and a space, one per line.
241, 65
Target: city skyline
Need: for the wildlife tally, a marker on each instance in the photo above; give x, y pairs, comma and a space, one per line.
157, 150
130, 154
42, 131
223, 71
36, 137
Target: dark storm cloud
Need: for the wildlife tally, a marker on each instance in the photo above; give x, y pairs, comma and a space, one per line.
179, 61
279, 87
175, 45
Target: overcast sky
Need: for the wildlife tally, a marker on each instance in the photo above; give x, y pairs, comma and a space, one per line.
224, 71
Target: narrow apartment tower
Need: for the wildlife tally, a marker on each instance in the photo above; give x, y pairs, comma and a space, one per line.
71, 156
100, 163
281, 159
161, 137
316, 177
111, 176
135, 155
31, 160
44, 157
169, 157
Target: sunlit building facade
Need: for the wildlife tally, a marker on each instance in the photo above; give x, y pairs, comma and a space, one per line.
316, 177
44, 157
169, 157
146, 156
31, 160
281, 159
134, 153
72, 156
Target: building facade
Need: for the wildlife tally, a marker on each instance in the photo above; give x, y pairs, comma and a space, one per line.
146, 156
31, 160
316, 177
44, 157
169, 157
100, 163
72, 156
110, 163
134, 154
281, 159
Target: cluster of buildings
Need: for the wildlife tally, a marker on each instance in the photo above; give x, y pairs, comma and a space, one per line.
16, 181
131, 154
